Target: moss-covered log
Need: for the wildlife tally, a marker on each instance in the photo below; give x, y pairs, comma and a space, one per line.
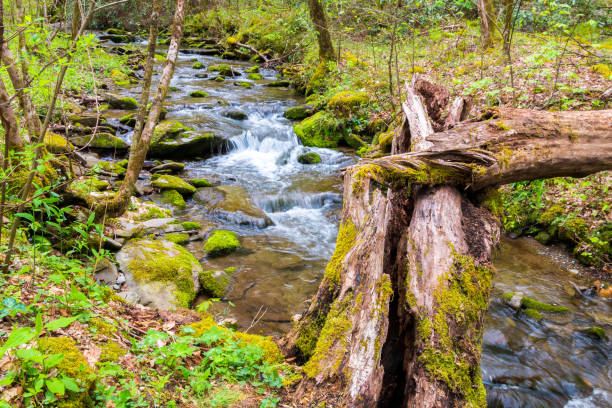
397, 320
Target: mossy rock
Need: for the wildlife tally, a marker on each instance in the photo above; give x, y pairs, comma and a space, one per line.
177, 237
281, 83
255, 77
57, 144
118, 39
160, 273
173, 198
122, 102
89, 190
309, 158
235, 114
551, 214
533, 314
319, 130
87, 120
198, 65
232, 203
221, 243
385, 141
190, 225
101, 140
220, 78
300, 112
543, 237
119, 78
171, 139
596, 332
223, 69
530, 303
109, 167
573, 229
354, 141
116, 31
347, 102
198, 94
199, 183
167, 182
253, 70
128, 120
244, 84
73, 365
215, 283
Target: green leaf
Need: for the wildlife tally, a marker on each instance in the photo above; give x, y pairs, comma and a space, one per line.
71, 385
56, 386
39, 324
53, 360
18, 336
60, 323
28, 217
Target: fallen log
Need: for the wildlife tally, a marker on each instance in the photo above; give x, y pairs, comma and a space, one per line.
397, 320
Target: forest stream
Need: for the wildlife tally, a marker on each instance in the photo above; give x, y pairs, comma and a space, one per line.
525, 362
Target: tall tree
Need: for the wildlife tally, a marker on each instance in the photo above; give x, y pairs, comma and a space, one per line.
488, 30
319, 20
144, 132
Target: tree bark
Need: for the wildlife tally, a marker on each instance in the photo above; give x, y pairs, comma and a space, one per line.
119, 203
488, 30
319, 20
397, 320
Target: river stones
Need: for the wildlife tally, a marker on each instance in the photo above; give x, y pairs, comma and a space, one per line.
172, 139
221, 243
232, 203
198, 94
300, 112
309, 158
223, 70
244, 84
235, 114
253, 70
215, 283
167, 182
121, 102
101, 140
159, 273
198, 65
170, 167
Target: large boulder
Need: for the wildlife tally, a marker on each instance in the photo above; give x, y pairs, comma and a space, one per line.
168, 182
233, 204
172, 139
300, 112
121, 102
319, 130
159, 273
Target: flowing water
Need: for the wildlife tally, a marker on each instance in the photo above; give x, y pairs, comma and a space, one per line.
525, 363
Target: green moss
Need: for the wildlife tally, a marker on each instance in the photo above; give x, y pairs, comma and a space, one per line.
530, 303
462, 297
174, 198
596, 332
424, 328
299, 112
199, 183
354, 141
177, 238
309, 158
508, 296
345, 242
346, 102
308, 336
153, 266
385, 141
215, 283
103, 327
119, 78
319, 130
332, 341
198, 94
198, 65
111, 352
602, 69
189, 225
244, 84
255, 77
222, 69
57, 144
221, 243
167, 182
169, 130
492, 200
253, 70
543, 237
533, 314
101, 140
148, 211
573, 229
125, 102
551, 214
73, 365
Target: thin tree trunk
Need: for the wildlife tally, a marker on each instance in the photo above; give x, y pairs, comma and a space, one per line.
319, 20
119, 203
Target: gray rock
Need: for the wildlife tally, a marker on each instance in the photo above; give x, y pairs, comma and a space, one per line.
172, 167
233, 204
516, 300
143, 187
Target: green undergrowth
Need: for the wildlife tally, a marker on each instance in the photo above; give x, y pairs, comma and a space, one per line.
56, 317
572, 211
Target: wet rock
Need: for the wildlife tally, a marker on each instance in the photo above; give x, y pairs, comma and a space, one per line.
167, 182
494, 337
198, 94
215, 283
255, 77
198, 65
199, 183
596, 332
172, 167
300, 112
143, 187
253, 70
309, 158
190, 225
201, 75
177, 237
279, 84
202, 51
174, 198
221, 243
235, 114
87, 120
172, 139
160, 273
244, 84
514, 299
224, 70
121, 102
100, 141
106, 271
220, 78
233, 204
543, 237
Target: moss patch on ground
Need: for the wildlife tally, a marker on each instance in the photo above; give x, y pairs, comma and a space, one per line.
221, 243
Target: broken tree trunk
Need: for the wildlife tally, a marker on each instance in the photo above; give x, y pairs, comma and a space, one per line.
397, 320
